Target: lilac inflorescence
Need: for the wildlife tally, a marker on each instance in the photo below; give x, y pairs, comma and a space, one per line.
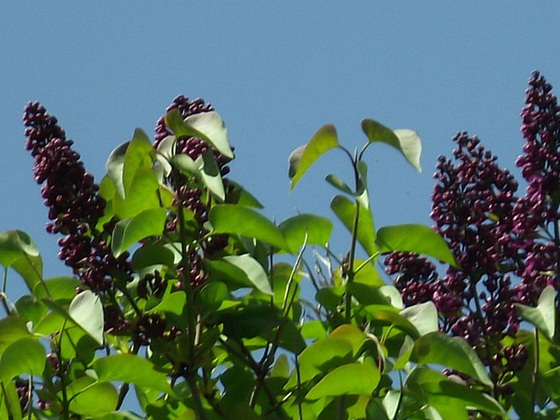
72, 198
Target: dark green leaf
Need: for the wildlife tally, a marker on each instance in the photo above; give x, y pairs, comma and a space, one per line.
149, 255
129, 231
213, 294
453, 352
414, 238
346, 211
314, 230
302, 158
237, 220
142, 194
249, 322
405, 141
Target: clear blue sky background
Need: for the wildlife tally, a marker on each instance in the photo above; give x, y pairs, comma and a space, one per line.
276, 72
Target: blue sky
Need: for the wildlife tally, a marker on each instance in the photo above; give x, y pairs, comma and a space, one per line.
276, 72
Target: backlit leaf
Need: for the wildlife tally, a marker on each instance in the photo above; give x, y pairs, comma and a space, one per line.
346, 210
303, 157
25, 356
350, 379
414, 238
237, 220
129, 231
314, 230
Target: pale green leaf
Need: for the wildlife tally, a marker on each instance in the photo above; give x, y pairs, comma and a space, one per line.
87, 311
404, 140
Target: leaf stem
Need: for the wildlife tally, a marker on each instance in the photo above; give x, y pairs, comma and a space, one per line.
535, 371
352, 254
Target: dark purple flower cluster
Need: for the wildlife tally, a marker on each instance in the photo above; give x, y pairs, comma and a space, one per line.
72, 197
472, 206
537, 215
494, 235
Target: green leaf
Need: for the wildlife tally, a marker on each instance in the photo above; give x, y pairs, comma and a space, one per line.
87, 311
351, 379
414, 238
89, 398
339, 184
12, 329
454, 352
173, 303
423, 316
149, 255
60, 289
30, 309
139, 153
250, 321
544, 315
133, 369
321, 357
314, 230
237, 220
345, 210
142, 194
303, 157
237, 194
405, 141
350, 333
10, 407
17, 250
115, 167
207, 126
253, 271
129, 231
213, 294
25, 356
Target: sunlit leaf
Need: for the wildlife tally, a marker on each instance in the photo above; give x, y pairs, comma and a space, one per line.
405, 141
139, 153
93, 398
25, 356
237, 194
87, 311
414, 238
142, 194
10, 407
237, 220
12, 329
59, 289
339, 184
302, 158
320, 357
173, 303
350, 379
211, 175
309, 228
453, 352
129, 231
133, 369
346, 212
